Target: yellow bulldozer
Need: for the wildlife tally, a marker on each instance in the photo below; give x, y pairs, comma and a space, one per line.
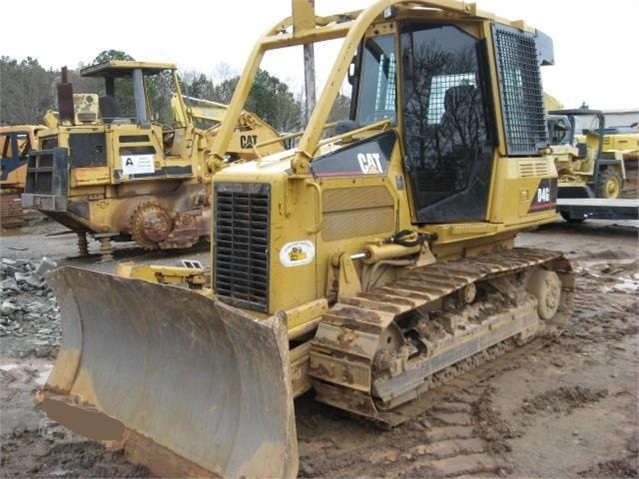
129, 165
372, 262
15, 144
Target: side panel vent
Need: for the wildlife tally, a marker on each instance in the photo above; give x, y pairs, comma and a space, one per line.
356, 212
533, 169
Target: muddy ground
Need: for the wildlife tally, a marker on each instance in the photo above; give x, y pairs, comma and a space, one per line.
567, 409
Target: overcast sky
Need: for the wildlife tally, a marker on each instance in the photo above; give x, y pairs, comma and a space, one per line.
596, 45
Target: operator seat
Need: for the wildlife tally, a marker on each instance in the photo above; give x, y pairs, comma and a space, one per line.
109, 108
462, 119
460, 137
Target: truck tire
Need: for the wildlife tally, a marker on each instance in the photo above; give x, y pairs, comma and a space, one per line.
571, 219
608, 184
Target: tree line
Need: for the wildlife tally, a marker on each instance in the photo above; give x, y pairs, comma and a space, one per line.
28, 90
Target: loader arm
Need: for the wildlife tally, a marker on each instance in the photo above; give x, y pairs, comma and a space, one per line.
250, 130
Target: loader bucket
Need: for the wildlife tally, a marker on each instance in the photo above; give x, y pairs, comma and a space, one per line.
186, 385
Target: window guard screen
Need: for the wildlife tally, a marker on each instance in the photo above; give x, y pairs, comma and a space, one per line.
521, 91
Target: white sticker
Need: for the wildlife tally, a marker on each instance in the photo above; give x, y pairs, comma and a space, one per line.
297, 253
137, 164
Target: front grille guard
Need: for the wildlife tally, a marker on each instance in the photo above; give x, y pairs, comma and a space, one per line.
241, 249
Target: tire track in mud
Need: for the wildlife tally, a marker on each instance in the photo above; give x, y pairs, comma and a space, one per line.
447, 441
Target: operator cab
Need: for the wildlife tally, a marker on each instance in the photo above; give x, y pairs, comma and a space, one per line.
444, 107
129, 87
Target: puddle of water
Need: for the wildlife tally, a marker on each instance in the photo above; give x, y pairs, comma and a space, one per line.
624, 285
628, 284
42, 377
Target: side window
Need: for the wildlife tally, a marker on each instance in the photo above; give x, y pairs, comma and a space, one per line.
159, 89
5, 146
378, 81
24, 145
124, 99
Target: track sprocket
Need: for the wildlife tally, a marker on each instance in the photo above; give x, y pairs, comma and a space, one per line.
150, 224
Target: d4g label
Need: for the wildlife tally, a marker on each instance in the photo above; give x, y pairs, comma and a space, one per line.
545, 197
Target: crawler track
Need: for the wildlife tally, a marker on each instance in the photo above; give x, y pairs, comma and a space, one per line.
376, 352
440, 434
11, 213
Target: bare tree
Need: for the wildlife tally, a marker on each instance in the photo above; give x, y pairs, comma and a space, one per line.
196, 84
222, 72
25, 91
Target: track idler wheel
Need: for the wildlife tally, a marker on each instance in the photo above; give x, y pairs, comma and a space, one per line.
546, 286
149, 225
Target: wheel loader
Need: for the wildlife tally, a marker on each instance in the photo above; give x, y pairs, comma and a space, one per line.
369, 264
585, 170
15, 144
130, 165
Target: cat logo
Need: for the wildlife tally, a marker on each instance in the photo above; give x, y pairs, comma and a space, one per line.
369, 163
248, 141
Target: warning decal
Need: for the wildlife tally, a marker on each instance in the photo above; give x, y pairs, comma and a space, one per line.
137, 164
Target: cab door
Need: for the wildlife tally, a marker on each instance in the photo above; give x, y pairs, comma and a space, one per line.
448, 153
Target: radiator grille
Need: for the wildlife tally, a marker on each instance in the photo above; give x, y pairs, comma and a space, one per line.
241, 249
40, 168
49, 142
44, 161
40, 173
47, 173
43, 181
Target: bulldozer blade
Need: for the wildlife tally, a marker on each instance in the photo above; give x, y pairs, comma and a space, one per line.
188, 386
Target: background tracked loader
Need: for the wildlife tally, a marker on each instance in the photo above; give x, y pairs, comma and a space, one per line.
15, 144
374, 261
130, 164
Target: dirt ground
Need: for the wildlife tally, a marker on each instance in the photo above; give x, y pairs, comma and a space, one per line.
567, 410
